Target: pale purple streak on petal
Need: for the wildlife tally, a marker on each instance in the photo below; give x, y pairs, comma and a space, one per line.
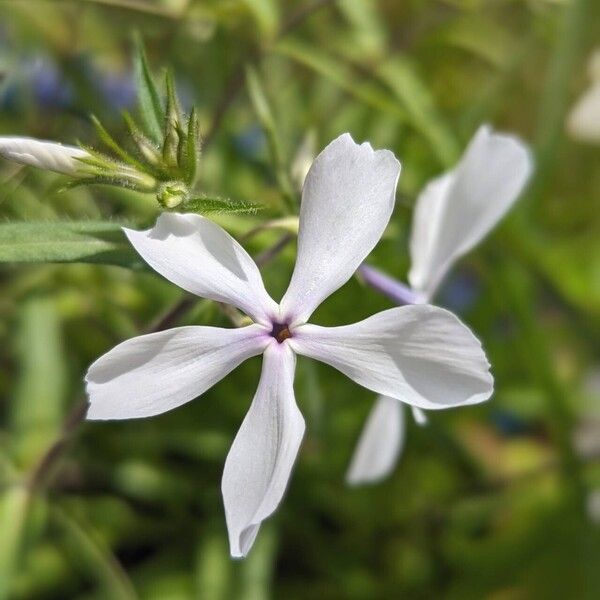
263, 453
390, 287
347, 201
202, 258
420, 354
154, 373
380, 443
455, 211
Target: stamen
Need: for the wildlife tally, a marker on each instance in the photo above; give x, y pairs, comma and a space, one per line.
281, 332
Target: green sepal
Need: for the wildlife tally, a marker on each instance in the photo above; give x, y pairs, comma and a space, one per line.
111, 144
192, 151
151, 109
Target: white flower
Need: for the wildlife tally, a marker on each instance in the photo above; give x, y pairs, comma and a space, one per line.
44, 155
452, 214
583, 122
419, 354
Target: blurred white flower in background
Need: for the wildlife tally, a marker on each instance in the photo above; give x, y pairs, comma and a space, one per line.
583, 122
453, 213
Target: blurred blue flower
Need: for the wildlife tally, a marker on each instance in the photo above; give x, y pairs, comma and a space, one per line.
461, 291
509, 423
250, 143
117, 88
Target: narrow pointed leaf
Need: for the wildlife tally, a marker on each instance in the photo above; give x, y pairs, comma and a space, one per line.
151, 109
221, 205
111, 143
66, 242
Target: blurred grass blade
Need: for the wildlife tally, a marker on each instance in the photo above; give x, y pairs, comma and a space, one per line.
266, 15
85, 241
342, 76
14, 507
151, 109
221, 205
402, 78
258, 567
264, 113
213, 569
36, 412
87, 547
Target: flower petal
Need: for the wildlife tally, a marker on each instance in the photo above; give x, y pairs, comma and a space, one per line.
202, 258
583, 122
455, 211
154, 373
44, 155
263, 453
347, 201
420, 354
380, 443
419, 416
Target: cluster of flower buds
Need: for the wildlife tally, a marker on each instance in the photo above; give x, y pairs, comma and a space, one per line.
161, 158
166, 148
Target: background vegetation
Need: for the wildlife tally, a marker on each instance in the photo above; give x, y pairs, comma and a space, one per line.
499, 501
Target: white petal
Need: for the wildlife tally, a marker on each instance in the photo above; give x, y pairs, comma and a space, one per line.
154, 373
263, 453
380, 443
455, 211
347, 201
584, 119
45, 155
419, 416
420, 354
202, 258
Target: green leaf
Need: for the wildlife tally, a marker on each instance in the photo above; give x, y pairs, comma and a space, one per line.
151, 109
84, 241
221, 205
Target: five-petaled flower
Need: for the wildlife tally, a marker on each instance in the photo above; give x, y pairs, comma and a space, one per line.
421, 355
452, 214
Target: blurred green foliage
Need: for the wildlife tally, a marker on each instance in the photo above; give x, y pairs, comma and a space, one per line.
496, 501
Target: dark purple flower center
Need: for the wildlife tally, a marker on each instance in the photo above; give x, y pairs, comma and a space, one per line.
281, 332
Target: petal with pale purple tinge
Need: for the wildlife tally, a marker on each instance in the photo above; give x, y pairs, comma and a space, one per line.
263, 453
419, 354
380, 443
347, 201
202, 258
154, 373
455, 211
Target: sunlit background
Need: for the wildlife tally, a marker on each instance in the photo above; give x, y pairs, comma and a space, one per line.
498, 501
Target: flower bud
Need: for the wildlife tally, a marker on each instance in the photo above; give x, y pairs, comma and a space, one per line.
44, 155
172, 193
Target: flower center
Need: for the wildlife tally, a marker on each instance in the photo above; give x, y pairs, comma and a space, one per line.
281, 332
